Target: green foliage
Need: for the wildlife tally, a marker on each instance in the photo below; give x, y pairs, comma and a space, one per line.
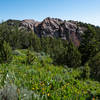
10, 34
34, 74
17, 53
73, 56
44, 59
98, 33
5, 52
30, 57
35, 42
61, 52
95, 66
89, 44
58, 51
86, 71
48, 82
56, 48
14, 37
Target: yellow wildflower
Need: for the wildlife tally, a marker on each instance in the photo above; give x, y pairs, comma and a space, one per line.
43, 89
67, 84
42, 84
48, 94
78, 92
33, 88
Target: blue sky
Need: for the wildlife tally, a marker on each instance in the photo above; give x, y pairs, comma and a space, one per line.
79, 10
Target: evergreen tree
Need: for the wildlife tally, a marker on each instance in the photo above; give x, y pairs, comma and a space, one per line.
89, 45
35, 42
10, 34
25, 38
59, 51
73, 57
45, 44
5, 49
14, 37
5, 52
94, 63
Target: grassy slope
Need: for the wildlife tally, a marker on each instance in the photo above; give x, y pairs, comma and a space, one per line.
44, 80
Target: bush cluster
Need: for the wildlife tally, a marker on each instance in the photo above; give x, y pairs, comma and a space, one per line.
62, 52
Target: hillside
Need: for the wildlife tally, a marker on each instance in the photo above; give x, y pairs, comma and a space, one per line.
44, 81
49, 60
55, 28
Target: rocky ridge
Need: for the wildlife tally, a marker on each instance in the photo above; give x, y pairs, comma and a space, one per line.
55, 28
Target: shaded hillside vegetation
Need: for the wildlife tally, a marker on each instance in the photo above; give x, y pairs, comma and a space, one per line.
73, 50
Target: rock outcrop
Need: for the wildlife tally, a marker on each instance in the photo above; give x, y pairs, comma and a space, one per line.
55, 28
28, 23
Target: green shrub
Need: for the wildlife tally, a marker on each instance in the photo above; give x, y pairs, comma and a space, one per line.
45, 60
49, 82
30, 57
5, 52
86, 71
73, 56
89, 44
95, 66
16, 53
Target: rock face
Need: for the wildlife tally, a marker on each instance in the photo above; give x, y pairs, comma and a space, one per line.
28, 23
55, 28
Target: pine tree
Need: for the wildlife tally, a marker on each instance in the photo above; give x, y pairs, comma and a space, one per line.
59, 51
5, 52
73, 57
94, 63
89, 45
35, 42
45, 44
5, 49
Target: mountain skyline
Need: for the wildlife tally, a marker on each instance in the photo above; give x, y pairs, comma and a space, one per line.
78, 10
